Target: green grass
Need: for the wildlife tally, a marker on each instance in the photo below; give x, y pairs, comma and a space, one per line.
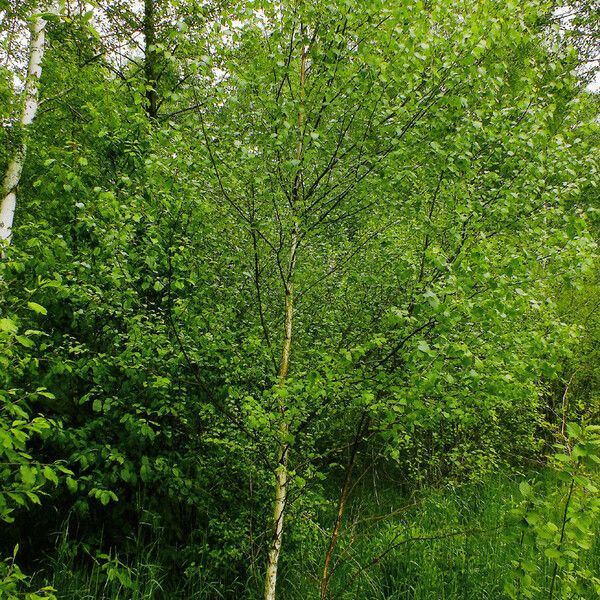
444, 544
447, 544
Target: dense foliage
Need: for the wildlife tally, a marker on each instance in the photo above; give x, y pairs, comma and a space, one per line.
342, 248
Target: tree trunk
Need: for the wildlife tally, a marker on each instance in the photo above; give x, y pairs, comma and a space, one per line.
12, 176
345, 491
281, 472
150, 59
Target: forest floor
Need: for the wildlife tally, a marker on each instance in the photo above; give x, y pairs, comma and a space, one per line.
452, 543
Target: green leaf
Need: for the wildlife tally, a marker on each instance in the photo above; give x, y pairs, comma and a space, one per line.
25, 341
145, 471
50, 475
423, 346
525, 489
553, 553
27, 475
38, 308
8, 325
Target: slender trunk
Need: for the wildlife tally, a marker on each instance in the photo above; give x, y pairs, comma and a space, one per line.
565, 409
281, 472
150, 59
341, 508
12, 176
562, 537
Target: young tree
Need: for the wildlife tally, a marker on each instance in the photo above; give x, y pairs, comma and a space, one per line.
30, 103
338, 126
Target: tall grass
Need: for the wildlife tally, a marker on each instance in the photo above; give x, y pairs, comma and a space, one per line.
455, 543
446, 544
76, 572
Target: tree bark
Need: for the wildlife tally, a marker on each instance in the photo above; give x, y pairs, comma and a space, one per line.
12, 176
565, 408
281, 472
345, 491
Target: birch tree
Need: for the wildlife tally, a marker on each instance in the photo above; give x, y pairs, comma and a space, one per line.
14, 169
335, 121
333, 100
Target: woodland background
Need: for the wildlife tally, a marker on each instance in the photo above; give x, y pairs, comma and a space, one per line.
301, 296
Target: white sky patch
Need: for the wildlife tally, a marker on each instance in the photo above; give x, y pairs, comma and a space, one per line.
126, 48
566, 15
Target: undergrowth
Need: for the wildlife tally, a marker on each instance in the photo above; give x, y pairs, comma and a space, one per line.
453, 543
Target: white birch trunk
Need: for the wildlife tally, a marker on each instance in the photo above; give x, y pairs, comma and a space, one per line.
30, 106
281, 473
